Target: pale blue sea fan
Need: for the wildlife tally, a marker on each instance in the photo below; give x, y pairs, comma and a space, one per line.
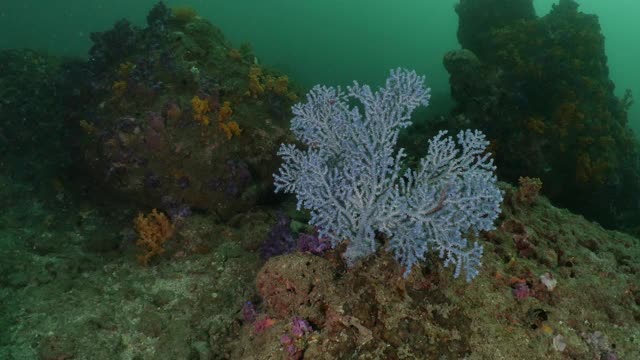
350, 176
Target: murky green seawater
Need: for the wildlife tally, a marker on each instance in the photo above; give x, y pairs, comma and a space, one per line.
317, 41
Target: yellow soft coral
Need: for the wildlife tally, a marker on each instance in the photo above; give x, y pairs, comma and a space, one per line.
259, 83
124, 69
279, 85
235, 55
589, 170
201, 108
255, 85
230, 128
88, 128
153, 231
536, 124
119, 88
567, 116
225, 112
183, 14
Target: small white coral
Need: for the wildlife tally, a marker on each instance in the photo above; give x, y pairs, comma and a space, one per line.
548, 281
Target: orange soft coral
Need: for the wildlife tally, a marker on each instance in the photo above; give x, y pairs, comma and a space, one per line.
124, 69
536, 124
201, 108
174, 112
567, 117
153, 231
225, 112
256, 88
259, 83
279, 85
230, 128
183, 14
235, 55
119, 88
88, 128
590, 170
528, 190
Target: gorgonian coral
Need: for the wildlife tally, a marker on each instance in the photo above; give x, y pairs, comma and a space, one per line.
352, 178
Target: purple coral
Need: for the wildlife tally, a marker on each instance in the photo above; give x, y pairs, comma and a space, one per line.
151, 180
249, 312
280, 239
239, 177
313, 244
183, 182
290, 345
236, 179
250, 315
300, 327
176, 210
521, 291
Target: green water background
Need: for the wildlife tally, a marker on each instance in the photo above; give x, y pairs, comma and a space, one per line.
316, 41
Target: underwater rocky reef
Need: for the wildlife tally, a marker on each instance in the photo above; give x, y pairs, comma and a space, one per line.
540, 88
139, 219
181, 119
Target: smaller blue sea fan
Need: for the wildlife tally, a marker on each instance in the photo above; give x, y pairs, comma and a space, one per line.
350, 176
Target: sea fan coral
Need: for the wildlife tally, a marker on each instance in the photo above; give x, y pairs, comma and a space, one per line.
352, 178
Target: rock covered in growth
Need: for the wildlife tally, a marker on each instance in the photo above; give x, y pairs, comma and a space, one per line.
478, 18
296, 285
523, 298
174, 116
540, 90
320, 312
467, 74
